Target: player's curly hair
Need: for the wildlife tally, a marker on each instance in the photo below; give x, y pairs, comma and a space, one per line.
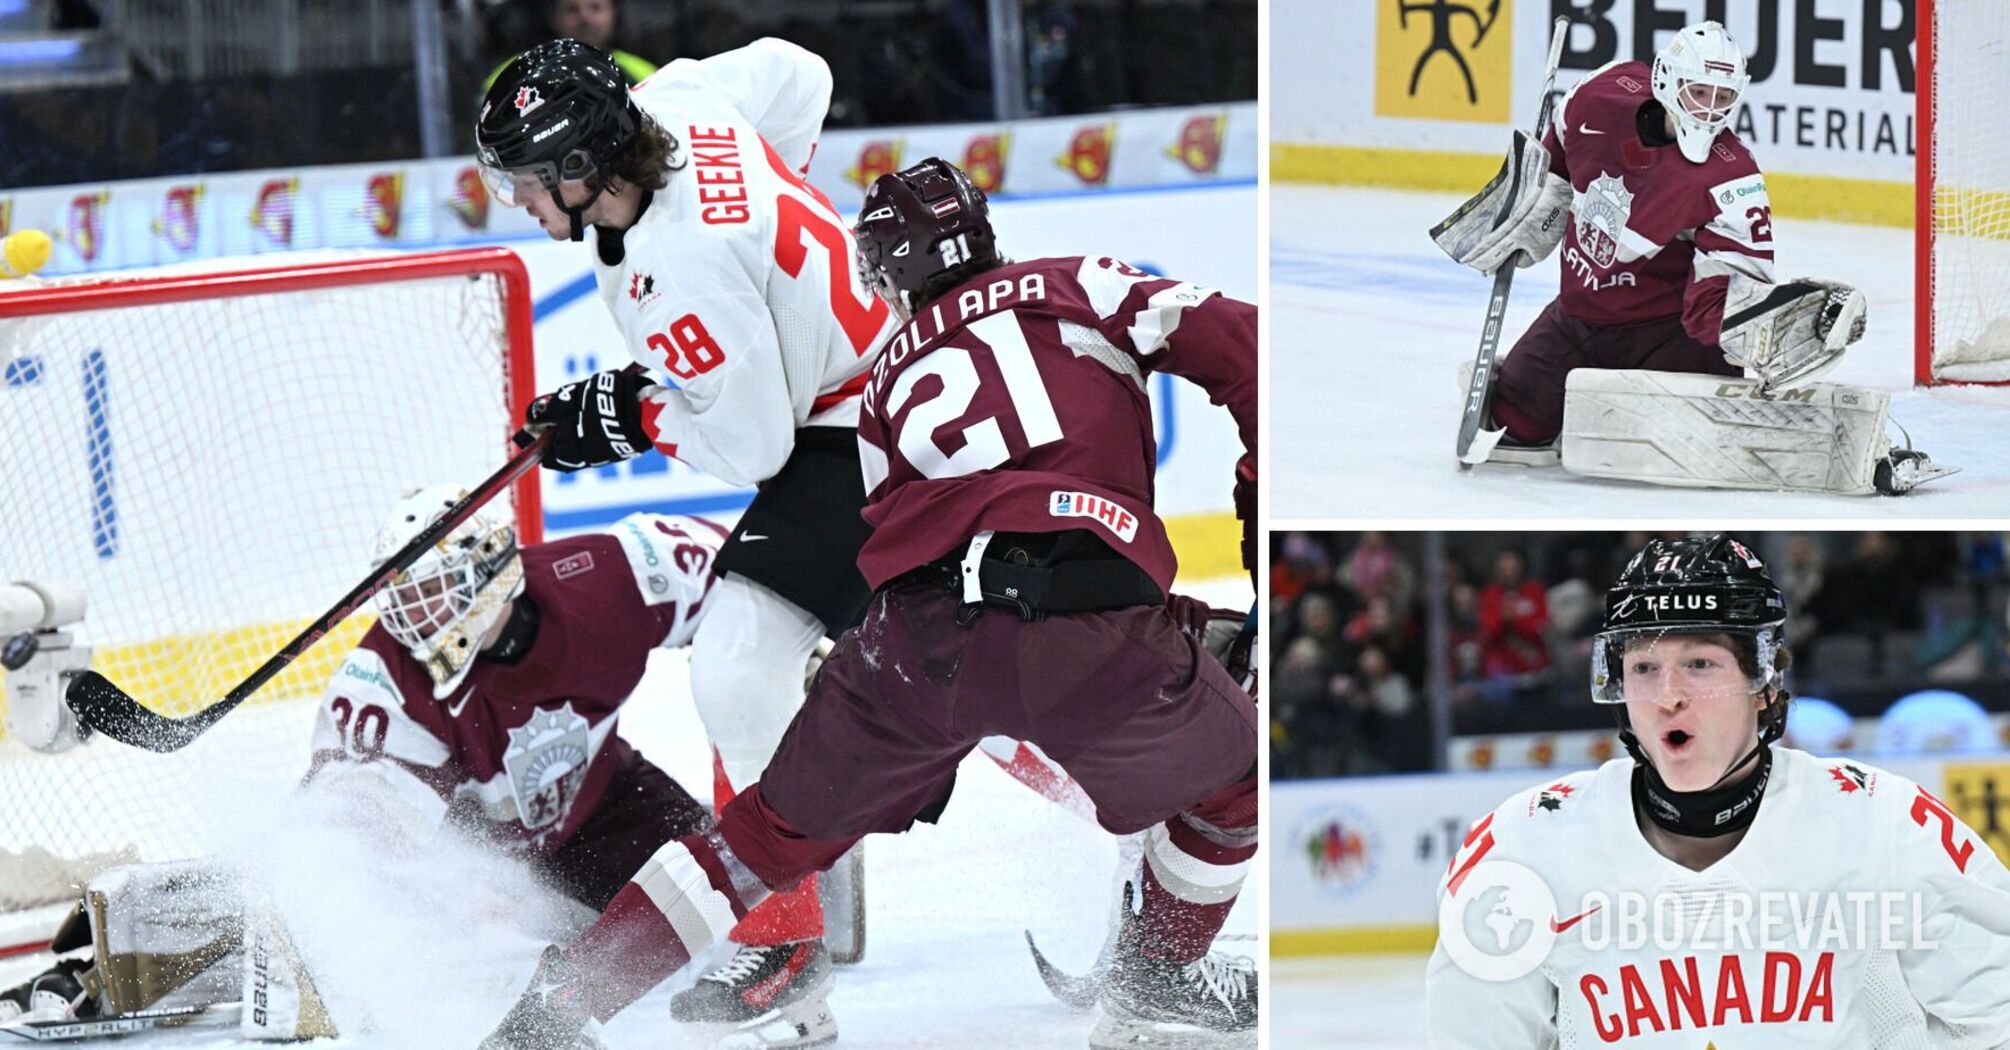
1745, 648
644, 160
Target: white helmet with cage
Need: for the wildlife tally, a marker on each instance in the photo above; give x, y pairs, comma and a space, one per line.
441, 606
1699, 78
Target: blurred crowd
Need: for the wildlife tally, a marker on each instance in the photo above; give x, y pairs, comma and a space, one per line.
336, 81
1377, 634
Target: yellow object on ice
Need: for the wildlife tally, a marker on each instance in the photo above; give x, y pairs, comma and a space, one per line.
23, 252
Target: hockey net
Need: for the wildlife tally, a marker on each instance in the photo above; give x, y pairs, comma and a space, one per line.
1962, 226
208, 453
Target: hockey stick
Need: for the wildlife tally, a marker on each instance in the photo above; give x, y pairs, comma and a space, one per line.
100, 1027
1476, 444
110, 710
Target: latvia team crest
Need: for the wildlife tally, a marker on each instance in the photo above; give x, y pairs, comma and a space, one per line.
1601, 212
546, 762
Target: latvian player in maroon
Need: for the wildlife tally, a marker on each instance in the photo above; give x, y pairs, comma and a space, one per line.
1667, 275
495, 676
1019, 577
485, 701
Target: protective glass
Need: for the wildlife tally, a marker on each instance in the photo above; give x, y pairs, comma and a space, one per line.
1644, 663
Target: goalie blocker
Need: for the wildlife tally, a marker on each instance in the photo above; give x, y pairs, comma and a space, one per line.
1705, 431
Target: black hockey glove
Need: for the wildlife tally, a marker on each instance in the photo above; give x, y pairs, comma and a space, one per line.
593, 422
1245, 511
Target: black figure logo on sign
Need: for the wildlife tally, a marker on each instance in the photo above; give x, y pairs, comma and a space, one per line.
1441, 13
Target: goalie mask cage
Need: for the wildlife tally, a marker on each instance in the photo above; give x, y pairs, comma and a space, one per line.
1962, 194
208, 452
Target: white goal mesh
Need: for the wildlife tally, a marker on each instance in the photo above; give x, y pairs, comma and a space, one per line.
1964, 192
208, 453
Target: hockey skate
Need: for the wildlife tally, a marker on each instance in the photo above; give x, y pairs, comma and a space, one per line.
553, 1013
1501, 449
1202, 1005
1904, 469
56, 994
764, 996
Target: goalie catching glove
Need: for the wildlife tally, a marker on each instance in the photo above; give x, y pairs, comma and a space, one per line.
593, 422
1521, 214
1792, 332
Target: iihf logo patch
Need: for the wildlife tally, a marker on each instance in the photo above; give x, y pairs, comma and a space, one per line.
1119, 521
527, 99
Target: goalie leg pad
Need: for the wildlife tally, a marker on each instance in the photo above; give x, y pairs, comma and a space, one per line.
165, 935
280, 1001
1708, 432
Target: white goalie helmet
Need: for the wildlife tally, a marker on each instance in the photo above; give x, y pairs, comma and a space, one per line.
1699, 78
441, 606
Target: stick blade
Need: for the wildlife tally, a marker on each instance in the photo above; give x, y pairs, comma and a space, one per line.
108, 709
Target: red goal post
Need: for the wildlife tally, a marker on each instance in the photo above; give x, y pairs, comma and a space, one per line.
1961, 226
207, 451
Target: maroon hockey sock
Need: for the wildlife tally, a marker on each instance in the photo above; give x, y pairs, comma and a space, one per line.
1523, 428
788, 916
1193, 870
657, 921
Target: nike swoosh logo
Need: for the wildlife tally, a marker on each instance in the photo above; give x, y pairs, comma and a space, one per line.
1559, 927
750, 537
455, 706
1586, 129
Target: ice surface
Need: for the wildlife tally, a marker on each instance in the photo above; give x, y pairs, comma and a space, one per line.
945, 964
1370, 322
1364, 1002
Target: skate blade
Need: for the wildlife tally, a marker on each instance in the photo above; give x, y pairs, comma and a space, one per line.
806, 1022
1118, 1031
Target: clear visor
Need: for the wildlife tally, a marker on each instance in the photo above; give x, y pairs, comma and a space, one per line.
1650, 664
518, 186
426, 600
1706, 102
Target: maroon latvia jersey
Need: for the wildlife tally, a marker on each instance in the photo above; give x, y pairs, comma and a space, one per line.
526, 749
1652, 236
1017, 403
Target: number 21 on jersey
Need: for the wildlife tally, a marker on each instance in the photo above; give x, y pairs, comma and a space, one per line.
1016, 389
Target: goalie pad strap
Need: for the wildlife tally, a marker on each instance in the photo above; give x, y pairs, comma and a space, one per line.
1701, 431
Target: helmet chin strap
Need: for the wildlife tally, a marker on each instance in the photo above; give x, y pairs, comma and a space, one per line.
1720, 809
578, 214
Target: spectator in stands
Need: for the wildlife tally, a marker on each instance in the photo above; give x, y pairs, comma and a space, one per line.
1381, 625
1514, 613
1307, 729
594, 22
1872, 593
1377, 570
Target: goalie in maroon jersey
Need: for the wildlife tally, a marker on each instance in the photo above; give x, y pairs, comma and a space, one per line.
1667, 236
1019, 577
485, 699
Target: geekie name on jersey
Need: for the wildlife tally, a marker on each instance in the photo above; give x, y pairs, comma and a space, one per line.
716, 154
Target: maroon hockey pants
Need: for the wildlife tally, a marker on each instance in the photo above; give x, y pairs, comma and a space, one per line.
1143, 718
1528, 397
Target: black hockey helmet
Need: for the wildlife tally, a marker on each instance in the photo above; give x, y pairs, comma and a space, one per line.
558, 111
921, 223
1711, 584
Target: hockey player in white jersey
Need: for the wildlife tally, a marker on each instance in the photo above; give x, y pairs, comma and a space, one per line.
1714, 888
732, 282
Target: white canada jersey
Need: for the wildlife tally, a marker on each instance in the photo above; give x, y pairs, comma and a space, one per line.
1832, 838
738, 283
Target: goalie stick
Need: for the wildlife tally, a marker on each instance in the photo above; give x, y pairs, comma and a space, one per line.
100, 1027
1476, 444
108, 709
